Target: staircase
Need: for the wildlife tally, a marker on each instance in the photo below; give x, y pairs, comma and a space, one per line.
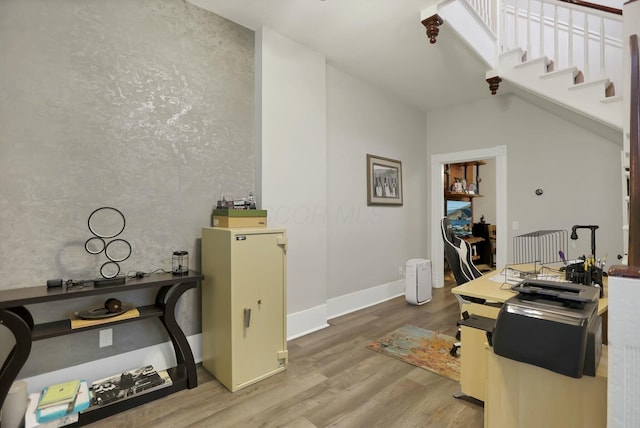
565, 53
539, 46
595, 99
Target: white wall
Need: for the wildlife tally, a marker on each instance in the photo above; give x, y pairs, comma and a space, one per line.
579, 171
316, 126
292, 114
367, 244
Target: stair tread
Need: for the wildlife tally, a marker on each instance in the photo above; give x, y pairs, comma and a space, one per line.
613, 99
510, 56
590, 83
534, 61
512, 51
573, 70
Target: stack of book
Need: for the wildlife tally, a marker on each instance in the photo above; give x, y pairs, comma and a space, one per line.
57, 405
125, 385
60, 405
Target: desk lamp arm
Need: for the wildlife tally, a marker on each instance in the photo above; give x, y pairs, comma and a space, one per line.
574, 235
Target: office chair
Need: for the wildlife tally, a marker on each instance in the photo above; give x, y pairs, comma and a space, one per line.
458, 254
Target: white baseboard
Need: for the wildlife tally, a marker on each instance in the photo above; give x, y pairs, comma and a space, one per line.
314, 319
307, 321
364, 298
161, 356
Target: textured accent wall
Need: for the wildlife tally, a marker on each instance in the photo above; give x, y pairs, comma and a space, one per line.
146, 106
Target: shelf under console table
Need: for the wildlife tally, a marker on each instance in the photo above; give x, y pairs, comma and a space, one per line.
15, 316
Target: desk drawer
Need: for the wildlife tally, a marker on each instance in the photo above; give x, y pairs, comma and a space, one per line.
482, 310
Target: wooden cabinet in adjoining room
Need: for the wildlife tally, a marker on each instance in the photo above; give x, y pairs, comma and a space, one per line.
484, 249
462, 180
461, 187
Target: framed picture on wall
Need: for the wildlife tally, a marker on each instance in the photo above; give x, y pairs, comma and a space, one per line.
384, 181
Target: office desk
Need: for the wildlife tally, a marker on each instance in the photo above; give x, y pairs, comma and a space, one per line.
473, 358
525, 396
492, 291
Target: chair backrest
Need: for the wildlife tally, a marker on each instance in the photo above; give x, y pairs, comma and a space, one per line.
458, 254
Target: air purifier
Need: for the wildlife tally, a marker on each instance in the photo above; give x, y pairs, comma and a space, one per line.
418, 281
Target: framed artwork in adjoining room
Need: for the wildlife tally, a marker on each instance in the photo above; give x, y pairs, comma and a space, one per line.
384, 181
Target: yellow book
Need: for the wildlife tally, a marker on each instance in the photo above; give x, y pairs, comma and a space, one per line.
59, 394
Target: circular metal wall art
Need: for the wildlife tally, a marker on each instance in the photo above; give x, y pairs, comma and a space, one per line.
109, 270
118, 250
106, 223
94, 245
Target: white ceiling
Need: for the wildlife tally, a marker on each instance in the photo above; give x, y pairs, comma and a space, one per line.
382, 42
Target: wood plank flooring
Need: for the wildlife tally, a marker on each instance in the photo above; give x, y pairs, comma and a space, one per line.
332, 380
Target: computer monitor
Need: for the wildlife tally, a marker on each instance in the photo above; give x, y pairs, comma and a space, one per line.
460, 215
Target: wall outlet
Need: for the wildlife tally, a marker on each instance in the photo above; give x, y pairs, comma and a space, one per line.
401, 271
106, 337
515, 225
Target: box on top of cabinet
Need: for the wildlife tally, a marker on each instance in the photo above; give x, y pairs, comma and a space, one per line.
239, 218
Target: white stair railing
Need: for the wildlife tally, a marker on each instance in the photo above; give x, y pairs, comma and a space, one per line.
486, 10
569, 34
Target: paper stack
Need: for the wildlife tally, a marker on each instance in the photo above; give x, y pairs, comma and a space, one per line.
57, 405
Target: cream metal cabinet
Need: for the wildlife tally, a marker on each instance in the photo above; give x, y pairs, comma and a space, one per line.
244, 331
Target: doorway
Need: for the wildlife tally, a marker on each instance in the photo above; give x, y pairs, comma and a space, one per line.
499, 153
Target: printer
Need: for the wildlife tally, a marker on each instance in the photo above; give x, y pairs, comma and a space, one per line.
553, 325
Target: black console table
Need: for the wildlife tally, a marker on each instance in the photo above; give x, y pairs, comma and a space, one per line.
16, 317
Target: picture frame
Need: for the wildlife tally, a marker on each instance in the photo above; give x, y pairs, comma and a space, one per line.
384, 181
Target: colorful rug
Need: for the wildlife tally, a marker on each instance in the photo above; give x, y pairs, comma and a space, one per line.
423, 348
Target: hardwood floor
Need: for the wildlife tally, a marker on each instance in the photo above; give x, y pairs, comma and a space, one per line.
332, 380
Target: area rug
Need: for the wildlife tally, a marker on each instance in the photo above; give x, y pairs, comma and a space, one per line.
423, 348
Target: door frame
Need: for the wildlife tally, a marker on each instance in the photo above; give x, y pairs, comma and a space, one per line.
499, 153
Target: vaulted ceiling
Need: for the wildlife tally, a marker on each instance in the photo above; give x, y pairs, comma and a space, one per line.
381, 42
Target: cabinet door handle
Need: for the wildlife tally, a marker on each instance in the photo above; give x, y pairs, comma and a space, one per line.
283, 241
247, 317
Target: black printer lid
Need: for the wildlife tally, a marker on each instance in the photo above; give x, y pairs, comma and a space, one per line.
558, 290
